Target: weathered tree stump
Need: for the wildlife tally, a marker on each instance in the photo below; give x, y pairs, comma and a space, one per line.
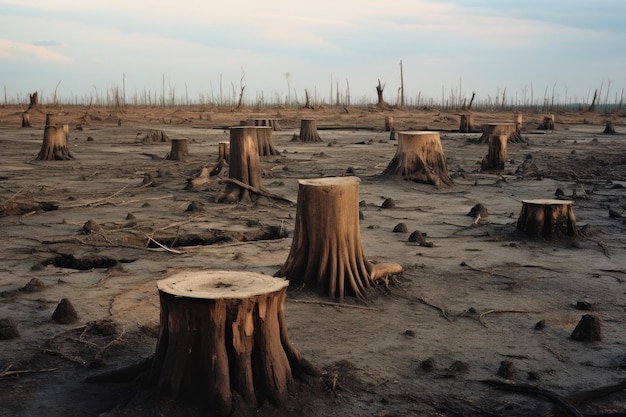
265, 142
547, 123
496, 156
179, 150
54, 146
419, 158
155, 135
244, 166
510, 130
519, 121
388, 123
273, 123
224, 332
545, 218
308, 131
223, 151
326, 253
609, 128
26, 119
33, 101
467, 123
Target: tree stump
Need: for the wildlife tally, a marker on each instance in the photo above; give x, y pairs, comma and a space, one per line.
496, 156
155, 135
510, 130
273, 123
419, 158
518, 121
244, 166
326, 253
609, 128
224, 332
54, 146
467, 123
265, 142
223, 151
388, 123
545, 218
33, 101
26, 119
179, 150
547, 123
308, 131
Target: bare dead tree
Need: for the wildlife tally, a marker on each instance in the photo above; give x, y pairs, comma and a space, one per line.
241, 88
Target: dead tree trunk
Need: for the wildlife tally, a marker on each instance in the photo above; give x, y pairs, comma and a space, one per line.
179, 150
592, 107
419, 158
224, 332
54, 146
379, 94
496, 129
26, 119
467, 123
265, 142
389, 123
308, 131
244, 166
496, 156
547, 219
307, 98
326, 253
155, 135
223, 151
273, 123
548, 123
609, 128
33, 101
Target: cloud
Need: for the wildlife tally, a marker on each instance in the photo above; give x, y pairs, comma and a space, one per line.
28, 52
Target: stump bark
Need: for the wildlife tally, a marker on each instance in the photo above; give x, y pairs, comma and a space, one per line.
223, 151
326, 253
308, 131
419, 158
54, 146
155, 135
26, 119
547, 123
545, 218
496, 156
609, 128
244, 166
389, 124
221, 333
510, 130
467, 123
265, 142
179, 150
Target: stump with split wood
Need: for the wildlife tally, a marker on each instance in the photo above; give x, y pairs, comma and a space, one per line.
223, 333
510, 130
419, 158
547, 123
308, 131
467, 123
265, 142
496, 156
223, 151
54, 146
609, 128
179, 150
244, 176
326, 253
547, 219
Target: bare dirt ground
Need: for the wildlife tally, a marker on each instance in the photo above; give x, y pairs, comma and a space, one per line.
464, 304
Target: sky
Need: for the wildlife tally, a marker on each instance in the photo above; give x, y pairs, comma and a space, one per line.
203, 50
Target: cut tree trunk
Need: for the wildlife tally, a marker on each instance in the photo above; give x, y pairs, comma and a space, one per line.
179, 150
326, 253
273, 123
609, 129
265, 142
496, 156
26, 119
244, 165
545, 218
548, 123
54, 146
308, 131
510, 130
155, 135
467, 123
221, 333
223, 151
419, 158
388, 123
518, 121
33, 101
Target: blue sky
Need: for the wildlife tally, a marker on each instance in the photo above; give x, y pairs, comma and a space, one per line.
458, 46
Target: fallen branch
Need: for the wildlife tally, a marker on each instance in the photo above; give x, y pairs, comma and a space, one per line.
256, 190
7, 371
163, 246
442, 311
101, 352
99, 201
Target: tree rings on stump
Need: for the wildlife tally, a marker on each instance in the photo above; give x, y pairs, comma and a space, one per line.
545, 218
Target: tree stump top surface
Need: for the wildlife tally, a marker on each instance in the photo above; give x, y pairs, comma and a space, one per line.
502, 124
321, 182
213, 285
547, 201
418, 132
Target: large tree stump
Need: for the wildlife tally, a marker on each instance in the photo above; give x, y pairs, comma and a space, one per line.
179, 150
545, 218
155, 135
467, 123
609, 128
223, 151
244, 166
510, 130
419, 158
326, 253
265, 142
519, 121
496, 156
308, 131
224, 332
54, 146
